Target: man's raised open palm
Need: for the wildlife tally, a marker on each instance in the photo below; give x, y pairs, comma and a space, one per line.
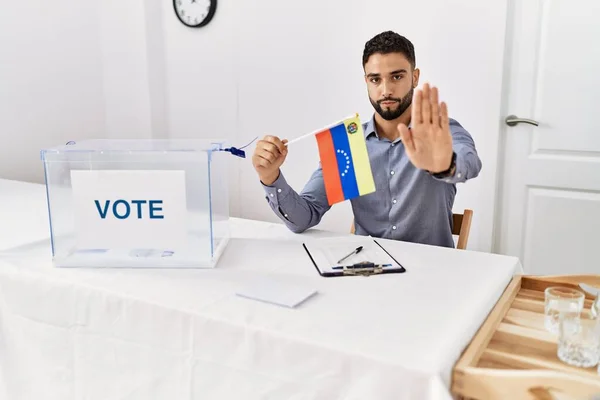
428, 142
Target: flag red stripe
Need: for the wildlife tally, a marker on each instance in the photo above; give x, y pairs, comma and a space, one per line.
331, 175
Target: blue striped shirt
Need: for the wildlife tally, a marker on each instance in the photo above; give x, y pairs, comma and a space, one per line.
409, 204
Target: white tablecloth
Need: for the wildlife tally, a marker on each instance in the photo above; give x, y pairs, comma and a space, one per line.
23, 213
183, 334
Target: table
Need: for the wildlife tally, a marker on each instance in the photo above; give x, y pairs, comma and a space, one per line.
26, 203
184, 334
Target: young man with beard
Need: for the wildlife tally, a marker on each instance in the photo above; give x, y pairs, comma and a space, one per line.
417, 153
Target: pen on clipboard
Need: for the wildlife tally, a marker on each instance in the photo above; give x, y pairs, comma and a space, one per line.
355, 251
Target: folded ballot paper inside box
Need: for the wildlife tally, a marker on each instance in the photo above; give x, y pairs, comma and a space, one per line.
332, 255
137, 203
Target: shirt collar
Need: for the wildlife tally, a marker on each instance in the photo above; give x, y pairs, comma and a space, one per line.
371, 130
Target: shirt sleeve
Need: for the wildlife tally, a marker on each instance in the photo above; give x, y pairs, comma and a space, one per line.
468, 164
298, 212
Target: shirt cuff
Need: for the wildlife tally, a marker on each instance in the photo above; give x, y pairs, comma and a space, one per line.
459, 172
278, 190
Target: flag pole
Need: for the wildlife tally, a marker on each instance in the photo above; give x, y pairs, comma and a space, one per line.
320, 130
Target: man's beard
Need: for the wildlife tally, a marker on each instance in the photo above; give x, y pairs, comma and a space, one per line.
391, 114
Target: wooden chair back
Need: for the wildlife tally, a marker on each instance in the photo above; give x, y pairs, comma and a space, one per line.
461, 226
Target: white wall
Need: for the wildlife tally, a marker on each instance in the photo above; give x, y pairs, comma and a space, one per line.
125, 65
50, 80
202, 78
73, 71
131, 69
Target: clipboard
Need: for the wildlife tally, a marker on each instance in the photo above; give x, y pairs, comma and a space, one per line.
374, 260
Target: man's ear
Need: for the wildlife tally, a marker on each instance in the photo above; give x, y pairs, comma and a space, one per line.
416, 74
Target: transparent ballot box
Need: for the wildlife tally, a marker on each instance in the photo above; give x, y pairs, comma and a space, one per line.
137, 203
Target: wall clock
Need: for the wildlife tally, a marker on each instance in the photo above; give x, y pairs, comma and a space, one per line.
195, 13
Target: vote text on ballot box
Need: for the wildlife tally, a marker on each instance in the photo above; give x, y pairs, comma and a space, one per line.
137, 203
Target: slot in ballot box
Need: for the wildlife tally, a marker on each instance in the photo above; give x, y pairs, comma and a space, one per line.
137, 203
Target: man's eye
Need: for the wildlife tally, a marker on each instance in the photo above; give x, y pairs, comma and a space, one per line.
374, 80
397, 77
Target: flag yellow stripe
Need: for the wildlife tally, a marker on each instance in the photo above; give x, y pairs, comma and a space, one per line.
360, 157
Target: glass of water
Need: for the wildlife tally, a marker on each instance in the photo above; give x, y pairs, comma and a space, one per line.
579, 342
561, 302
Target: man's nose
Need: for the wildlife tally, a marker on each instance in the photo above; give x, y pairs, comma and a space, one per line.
387, 89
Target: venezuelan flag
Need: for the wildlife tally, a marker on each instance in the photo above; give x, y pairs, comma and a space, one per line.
344, 160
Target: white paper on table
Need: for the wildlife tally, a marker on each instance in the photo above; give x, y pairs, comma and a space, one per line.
277, 292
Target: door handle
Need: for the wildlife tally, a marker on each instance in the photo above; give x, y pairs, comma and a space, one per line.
513, 120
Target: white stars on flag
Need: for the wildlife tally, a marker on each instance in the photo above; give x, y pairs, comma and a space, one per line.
347, 166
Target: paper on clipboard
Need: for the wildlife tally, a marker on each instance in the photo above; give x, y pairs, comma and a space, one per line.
326, 253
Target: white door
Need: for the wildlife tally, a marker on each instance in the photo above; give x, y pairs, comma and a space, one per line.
549, 198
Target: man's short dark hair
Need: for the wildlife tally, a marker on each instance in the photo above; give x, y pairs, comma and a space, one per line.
389, 42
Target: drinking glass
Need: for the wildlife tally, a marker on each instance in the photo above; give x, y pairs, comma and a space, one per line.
579, 341
561, 302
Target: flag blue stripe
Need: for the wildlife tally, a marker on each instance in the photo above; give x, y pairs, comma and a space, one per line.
344, 158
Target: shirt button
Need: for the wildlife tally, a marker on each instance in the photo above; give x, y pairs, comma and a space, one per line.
285, 215
394, 201
271, 195
392, 172
392, 144
278, 190
394, 227
459, 175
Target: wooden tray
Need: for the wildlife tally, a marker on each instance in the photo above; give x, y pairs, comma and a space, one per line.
512, 356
